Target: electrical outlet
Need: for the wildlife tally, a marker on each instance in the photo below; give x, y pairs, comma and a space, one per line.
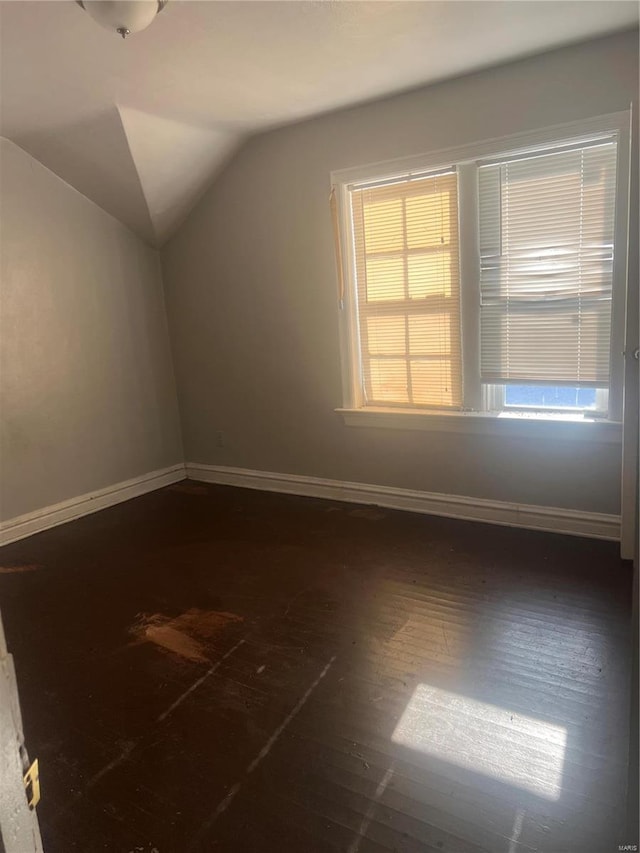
219, 438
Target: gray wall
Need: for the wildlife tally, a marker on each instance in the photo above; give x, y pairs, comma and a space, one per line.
87, 392
251, 292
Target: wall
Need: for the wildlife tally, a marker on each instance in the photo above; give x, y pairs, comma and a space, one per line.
251, 293
87, 393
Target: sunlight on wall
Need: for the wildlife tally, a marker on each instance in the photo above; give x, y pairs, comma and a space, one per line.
505, 745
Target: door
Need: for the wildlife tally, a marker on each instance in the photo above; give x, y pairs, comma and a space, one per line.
18, 823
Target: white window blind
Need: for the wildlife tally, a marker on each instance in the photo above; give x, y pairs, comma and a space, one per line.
546, 246
405, 240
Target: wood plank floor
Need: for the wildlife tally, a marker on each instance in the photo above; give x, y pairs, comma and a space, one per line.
211, 669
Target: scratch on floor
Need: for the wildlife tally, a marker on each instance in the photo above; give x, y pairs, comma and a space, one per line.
294, 598
129, 748
222, 805
126, 752
444, 634
517, 829
368, 815
15, 570
266, 749
198, 682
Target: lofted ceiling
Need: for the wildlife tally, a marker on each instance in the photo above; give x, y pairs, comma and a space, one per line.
142, 126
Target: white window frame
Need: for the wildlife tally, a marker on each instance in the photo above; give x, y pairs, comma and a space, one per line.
483, 411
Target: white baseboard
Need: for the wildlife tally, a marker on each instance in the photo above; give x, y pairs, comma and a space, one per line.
552, 519
50, 516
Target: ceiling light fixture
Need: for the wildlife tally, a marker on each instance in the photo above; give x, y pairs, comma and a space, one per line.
123, 16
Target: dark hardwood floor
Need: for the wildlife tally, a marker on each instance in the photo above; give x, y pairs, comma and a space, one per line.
211, 669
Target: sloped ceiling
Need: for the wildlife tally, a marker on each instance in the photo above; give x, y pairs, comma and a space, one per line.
142, 126
175, 160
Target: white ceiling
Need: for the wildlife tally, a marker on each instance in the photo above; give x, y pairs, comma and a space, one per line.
142, 126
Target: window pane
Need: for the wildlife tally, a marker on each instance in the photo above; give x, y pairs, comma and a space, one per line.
430, 334
386, 335
387, 380
385, 279
429, 275
431, 382
384, 226
428, 220
548, 396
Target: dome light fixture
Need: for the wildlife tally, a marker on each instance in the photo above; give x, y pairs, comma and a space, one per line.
123, 16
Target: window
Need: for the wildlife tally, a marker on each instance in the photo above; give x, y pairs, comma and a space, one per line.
405, 240
488, 279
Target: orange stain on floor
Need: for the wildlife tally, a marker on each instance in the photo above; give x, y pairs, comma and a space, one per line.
184, 635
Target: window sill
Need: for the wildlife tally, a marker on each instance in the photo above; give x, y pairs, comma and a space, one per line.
503, 424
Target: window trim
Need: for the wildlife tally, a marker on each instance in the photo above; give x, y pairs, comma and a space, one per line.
502, 424
465, 159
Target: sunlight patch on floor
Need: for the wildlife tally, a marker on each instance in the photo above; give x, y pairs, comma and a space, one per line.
521, 751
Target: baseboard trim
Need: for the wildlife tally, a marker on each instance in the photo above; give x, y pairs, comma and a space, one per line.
550, 519
51, 516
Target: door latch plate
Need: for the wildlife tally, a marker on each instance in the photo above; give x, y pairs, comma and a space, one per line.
32, 784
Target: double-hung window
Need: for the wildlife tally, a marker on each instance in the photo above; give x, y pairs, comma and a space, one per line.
489, 279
